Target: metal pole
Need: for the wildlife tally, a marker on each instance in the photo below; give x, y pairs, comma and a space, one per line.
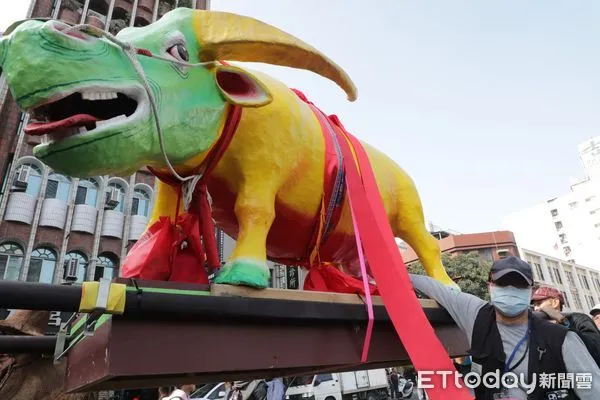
158, 305
111, 7
133, 13
18, 344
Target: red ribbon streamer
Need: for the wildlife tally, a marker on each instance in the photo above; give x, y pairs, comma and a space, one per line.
365, 280
423, 346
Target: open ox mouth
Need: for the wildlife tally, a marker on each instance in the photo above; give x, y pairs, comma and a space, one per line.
84, 112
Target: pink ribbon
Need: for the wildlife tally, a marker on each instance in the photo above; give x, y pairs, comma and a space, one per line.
363, 272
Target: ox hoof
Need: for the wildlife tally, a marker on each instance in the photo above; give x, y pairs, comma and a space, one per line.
242, 272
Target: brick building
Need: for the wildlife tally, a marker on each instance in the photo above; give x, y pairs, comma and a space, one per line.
491, 246
48, 219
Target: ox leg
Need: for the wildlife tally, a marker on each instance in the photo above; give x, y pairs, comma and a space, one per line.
255, 212
409, 225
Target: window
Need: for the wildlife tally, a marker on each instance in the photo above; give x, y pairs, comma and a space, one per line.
121, 197
594, 211
567, 251
140, 203
539, 271
590, 301
215, 393
558, 225
596, 283
566, 299
82, 264
11, 261
58, 187
554, 212
552, 279
570, 278
563, 238
41, 265
590, 199
106, 267
324, 378
34, 182
577, 300
583, 280
87, 192
573, 205
557, 275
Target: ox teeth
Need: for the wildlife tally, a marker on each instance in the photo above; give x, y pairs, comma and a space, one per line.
91, 95
81, 130
113, 119
45, 139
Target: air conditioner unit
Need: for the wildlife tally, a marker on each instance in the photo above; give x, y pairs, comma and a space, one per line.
112, 198
71, 267
22, 177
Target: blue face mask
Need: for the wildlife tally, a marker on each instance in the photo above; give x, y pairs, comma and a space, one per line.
509, 300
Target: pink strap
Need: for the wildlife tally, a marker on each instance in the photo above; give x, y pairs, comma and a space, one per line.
363, 272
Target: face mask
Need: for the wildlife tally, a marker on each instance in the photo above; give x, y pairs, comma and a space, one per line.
509, 300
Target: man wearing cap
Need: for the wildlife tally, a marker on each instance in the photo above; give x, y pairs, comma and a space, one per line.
504, 337
550, 302
595, 313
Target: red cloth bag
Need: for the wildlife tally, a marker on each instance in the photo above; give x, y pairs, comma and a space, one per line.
188, 257
149, 258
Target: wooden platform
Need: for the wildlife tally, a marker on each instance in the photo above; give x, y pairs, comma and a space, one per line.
244, 334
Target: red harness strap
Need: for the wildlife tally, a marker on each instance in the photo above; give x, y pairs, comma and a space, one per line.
333, 195
201, 204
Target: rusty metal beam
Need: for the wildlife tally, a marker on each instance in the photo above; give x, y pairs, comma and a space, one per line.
130, 353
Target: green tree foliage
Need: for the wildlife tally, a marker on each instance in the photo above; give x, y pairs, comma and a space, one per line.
469, 271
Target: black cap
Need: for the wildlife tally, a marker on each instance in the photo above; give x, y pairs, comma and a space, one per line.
511, 264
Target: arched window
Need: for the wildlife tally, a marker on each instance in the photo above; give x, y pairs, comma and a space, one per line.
58, 187
81, 264
33, 173
41, 265
87, 192
140, 203
11, 261
120, 196
106, 267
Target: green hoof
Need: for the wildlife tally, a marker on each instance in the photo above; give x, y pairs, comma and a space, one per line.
244, 273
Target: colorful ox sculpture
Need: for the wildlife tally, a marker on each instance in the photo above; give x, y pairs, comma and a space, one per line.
86, 99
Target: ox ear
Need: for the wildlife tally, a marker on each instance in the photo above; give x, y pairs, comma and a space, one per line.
242, 88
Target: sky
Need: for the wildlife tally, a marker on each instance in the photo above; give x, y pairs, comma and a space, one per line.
482, 103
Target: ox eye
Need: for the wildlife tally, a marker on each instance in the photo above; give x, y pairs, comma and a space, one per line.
179, 52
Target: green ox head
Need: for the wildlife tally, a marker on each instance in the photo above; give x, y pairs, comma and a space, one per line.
89, 105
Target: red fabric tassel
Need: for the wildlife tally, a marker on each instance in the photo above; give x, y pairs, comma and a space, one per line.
327, 278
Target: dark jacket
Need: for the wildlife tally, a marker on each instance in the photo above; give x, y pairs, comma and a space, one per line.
545, 351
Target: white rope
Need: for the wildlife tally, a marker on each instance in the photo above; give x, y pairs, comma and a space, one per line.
131, 53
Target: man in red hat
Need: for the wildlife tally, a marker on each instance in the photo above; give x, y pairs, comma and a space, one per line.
550, 302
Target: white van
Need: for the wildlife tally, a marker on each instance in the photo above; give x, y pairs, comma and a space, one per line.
356, 385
